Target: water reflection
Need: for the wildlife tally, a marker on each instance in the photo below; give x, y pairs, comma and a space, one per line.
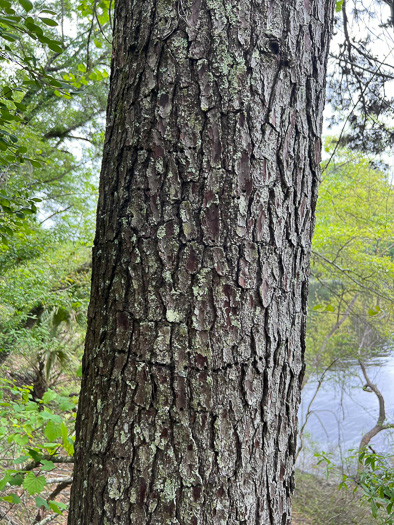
343, 411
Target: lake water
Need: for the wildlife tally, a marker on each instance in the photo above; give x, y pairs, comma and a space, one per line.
343, 411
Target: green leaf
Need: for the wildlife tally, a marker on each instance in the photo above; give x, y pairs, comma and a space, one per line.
34, 454
20, 106
21, 459
50, 446
338, 6
49, 396
10, 20
55, 47
11, 498
7, 92
52, 431
17, 480
56, 506
82, 68
66, 404
49, 21
41, 502
26, 4
5, 4
21, 439
34, 28
5, 480
67, 441
34, 484
49, 416
374, 509
47, 465
10, 37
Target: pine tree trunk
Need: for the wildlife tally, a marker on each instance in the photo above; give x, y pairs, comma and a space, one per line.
194, 351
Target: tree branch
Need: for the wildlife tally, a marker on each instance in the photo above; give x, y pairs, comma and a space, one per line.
355, 281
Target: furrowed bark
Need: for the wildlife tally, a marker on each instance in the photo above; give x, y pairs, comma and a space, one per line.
194, 351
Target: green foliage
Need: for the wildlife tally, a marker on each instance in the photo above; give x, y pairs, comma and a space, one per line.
53, 84
15, 209
44, 290
19, 21
355, 225
324, 459
33, 436
55, 101
351, 291
44, 294
374, 479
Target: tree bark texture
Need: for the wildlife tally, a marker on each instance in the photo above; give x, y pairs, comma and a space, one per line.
194, 352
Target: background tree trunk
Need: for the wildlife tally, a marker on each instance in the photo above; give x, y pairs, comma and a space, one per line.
194, 352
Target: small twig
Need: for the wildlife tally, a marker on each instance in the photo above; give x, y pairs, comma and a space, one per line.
98, 21
58, 177
364, 90
88, 44
78, 138
55, 459
309, 411
59, 488
337, 326
56, 213
347, 272
342, 59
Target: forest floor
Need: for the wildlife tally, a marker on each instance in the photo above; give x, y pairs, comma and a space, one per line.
317, 501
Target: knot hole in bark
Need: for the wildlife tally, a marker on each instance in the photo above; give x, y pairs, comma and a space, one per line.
274, 47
